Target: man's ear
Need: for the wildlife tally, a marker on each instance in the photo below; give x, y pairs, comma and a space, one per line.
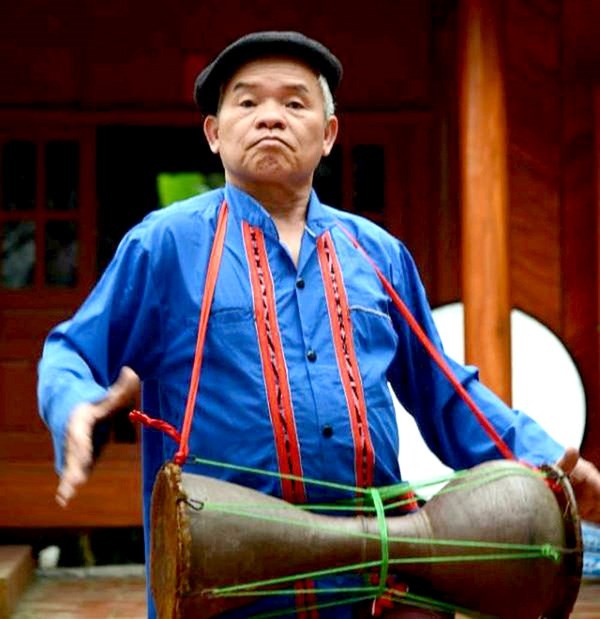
211, 131
330, 134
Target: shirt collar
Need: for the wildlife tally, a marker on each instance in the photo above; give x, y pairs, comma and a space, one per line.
244, 207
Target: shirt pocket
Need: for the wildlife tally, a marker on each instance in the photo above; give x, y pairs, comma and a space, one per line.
373, 330
375, 342
231, 316
233, 330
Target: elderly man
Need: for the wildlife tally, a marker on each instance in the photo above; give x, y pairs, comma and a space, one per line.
302, 339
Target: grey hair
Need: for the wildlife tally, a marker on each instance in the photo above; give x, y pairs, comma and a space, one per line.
327, 97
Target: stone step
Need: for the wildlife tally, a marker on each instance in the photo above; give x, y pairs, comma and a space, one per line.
16, 571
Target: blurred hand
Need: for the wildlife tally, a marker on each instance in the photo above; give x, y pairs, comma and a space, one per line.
585, 479
78, 439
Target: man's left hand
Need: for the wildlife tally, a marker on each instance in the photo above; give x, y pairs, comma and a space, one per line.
585, 479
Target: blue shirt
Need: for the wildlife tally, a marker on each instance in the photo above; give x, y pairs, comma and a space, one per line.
144, 312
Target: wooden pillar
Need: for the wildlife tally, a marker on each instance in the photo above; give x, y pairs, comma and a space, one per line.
484, 183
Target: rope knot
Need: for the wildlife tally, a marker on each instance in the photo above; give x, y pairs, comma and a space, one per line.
550, 552
386, 602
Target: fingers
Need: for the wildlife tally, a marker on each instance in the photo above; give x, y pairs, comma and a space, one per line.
569, 460
78, 439
585, 480
122, 392
586, 483
78, 453
68, 485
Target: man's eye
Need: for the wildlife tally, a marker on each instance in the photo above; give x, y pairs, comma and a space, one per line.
295, 105
247, 103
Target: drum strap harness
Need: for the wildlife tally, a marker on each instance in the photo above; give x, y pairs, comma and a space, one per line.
384, 591
211, 280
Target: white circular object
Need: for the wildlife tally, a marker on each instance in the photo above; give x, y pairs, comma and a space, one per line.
546, 385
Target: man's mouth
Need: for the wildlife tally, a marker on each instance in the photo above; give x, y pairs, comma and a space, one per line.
270, 140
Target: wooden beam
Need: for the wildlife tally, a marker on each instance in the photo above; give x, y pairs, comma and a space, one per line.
484, 181
111, 498
16, 572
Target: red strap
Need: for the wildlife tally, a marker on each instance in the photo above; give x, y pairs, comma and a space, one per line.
275, 374
157, 424
341, 330
435, 354
211, 277
209, 290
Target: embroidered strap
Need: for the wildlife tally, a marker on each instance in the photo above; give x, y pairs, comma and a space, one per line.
273, 364
341, 329
279, 397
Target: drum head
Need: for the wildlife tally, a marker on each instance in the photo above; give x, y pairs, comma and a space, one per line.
170, 543
572, 563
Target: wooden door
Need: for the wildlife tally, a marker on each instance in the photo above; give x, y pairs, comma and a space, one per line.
47, 266
383, 168
66, 197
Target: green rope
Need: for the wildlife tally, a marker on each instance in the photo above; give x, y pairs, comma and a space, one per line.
421, 601
509, 556
542, 550
383, 533
353, 505
412, 599
308, 507
372, 591
386, 492
295, 609
250, 589
255, 471
356, 504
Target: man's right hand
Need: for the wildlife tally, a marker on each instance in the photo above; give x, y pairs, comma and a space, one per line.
78, 439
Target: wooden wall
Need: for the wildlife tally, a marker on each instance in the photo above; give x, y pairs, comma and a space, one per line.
580, 214
554, 219
533, 89
112, 53
88, 64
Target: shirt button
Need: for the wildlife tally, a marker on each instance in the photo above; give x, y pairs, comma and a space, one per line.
327, 431
311, 355
300, 283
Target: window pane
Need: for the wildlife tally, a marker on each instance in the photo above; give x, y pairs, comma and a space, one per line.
369, 178
62, 175
61, 253
18, 176
18, 254
328, 178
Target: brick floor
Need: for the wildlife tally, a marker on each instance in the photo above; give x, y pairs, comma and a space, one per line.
588, 602
79, 594
106, 596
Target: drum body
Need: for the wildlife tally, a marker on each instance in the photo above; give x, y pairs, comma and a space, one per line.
468, 546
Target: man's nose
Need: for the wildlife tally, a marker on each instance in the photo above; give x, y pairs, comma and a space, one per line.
270, 116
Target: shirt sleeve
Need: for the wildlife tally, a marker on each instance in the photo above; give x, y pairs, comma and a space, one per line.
118, 324
447, 424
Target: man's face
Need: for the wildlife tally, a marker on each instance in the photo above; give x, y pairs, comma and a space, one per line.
271, 126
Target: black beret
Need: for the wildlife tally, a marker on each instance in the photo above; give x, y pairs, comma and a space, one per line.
259, 45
